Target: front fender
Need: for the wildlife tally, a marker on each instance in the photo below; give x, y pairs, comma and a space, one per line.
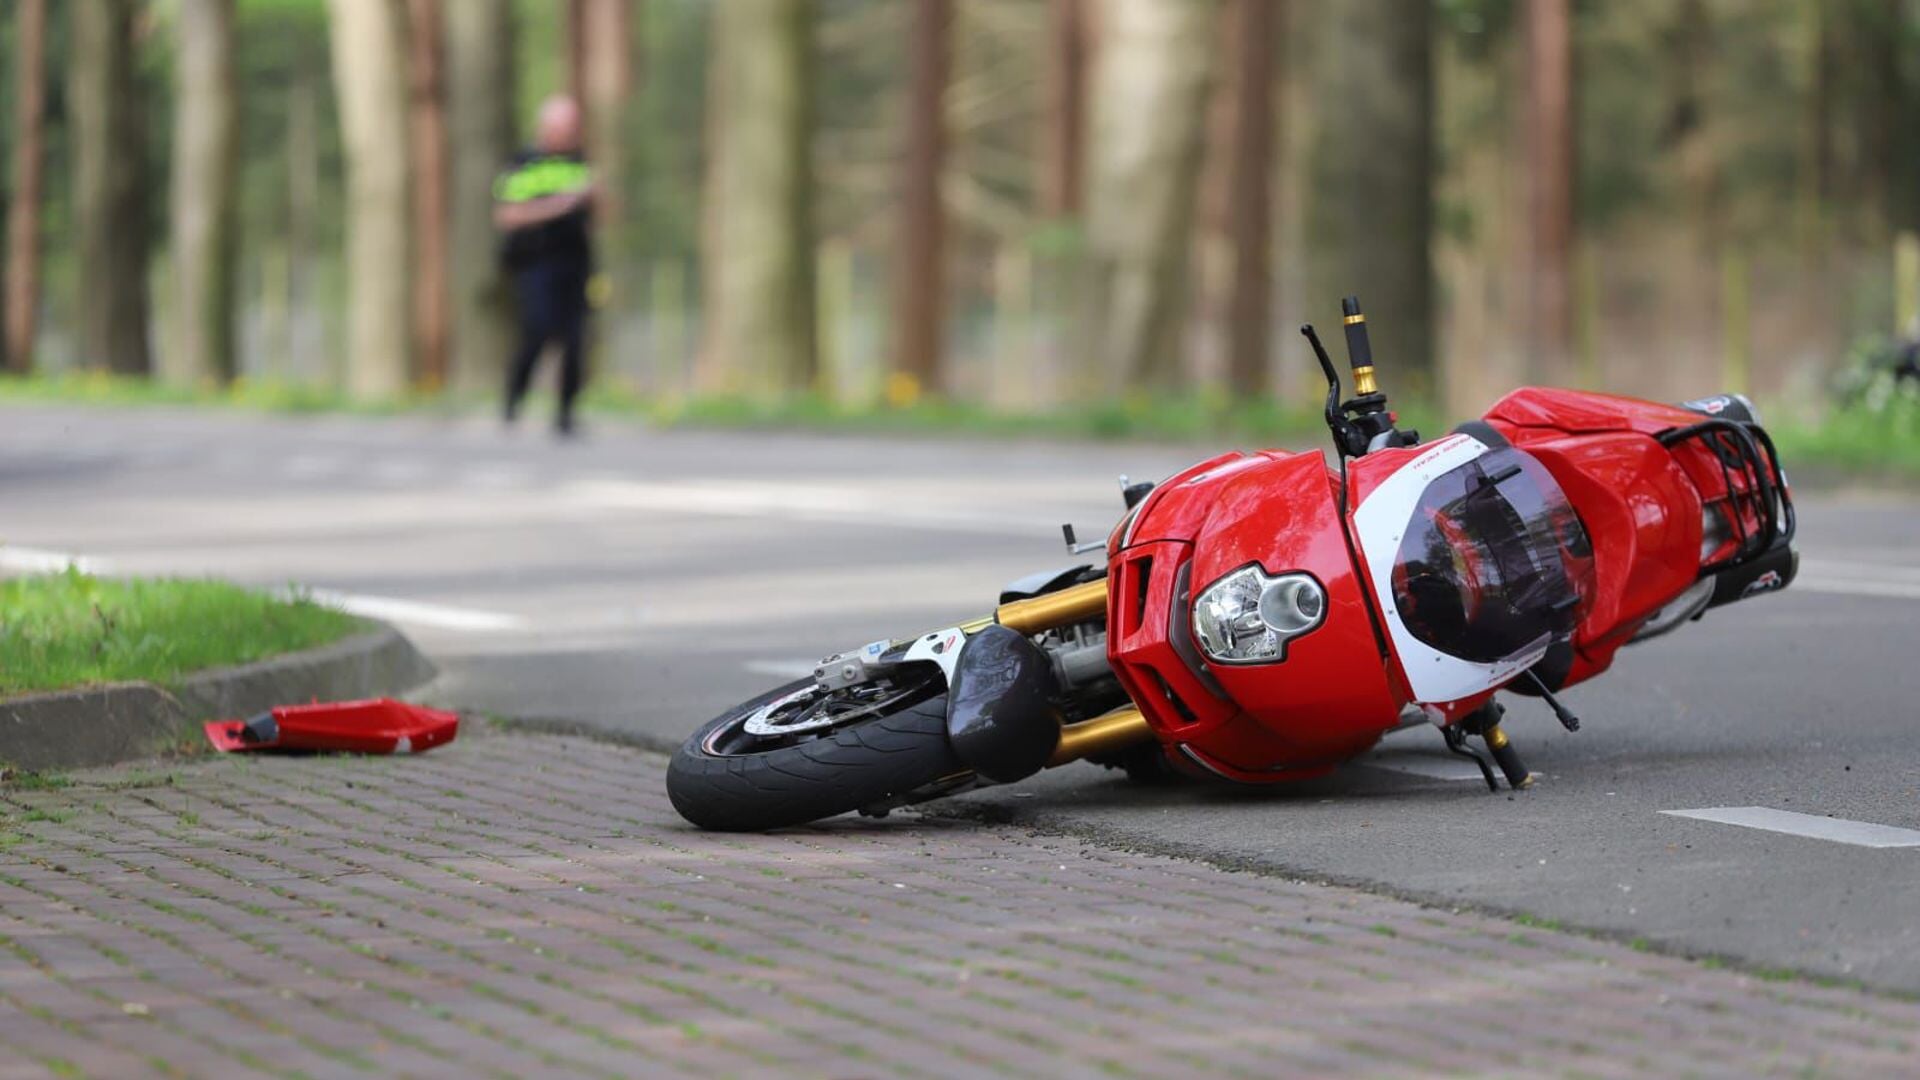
1000, 715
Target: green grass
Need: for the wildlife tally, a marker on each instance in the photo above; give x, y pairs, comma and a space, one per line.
1882, 443
1187, 419
102, 388
35, 781
73, 629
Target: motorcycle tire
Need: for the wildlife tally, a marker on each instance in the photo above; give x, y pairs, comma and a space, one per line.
862, 764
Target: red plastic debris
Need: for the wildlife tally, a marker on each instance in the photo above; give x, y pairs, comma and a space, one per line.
378, 726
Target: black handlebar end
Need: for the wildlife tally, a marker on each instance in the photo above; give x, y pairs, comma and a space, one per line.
1359, 347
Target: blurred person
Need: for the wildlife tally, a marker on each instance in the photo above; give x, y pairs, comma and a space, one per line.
543, 205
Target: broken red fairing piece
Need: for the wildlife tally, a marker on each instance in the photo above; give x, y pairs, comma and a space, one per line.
379, 726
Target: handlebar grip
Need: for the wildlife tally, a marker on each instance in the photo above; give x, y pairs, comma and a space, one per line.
1359, 348
1505, 756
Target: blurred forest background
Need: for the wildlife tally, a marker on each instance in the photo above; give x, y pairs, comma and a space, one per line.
1018, 205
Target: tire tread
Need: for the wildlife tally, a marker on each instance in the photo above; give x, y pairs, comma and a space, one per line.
854, 767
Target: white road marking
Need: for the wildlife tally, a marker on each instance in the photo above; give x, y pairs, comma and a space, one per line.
1838, 830
1893, 556
26, 560
312, 466
1848, 568
399, 473
782, 669
415, 613
1889, 590
496, 477
1842, 577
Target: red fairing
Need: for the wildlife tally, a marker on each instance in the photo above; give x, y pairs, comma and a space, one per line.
1367, 473
1329, 699
1641, 505
1642, 515
1342, 684
1575, 412
1536, 413
378, 726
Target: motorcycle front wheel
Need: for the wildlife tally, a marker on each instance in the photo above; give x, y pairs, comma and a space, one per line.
800, 753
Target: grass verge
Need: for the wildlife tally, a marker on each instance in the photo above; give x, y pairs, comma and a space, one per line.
1189, 418
1862, 441
72, 629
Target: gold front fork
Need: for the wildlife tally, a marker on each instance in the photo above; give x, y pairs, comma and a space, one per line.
1032, 616
1116, 730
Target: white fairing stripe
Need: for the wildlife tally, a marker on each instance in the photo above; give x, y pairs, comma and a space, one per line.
1381, 522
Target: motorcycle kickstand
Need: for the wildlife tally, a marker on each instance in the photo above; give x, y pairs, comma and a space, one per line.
1457, 744
1485, 722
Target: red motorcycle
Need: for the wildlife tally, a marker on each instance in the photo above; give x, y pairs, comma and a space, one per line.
1263, 617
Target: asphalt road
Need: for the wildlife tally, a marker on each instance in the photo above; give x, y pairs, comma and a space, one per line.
640, 582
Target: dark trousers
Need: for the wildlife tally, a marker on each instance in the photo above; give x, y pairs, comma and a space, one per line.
553, 308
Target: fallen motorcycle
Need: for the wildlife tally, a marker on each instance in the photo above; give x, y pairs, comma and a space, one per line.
1264, 616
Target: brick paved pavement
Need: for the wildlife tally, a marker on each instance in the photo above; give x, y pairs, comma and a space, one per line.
521, 905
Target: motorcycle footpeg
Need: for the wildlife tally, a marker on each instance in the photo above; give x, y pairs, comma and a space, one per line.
1560, 712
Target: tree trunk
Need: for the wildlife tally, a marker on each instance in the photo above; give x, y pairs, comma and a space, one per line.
1064, 121
1250, 197
305, 337
1890, 138
109, 187
606, 82
29, 164
205, 209
919, 308
1371, 205
575, 42
479, 80
1823, 103
758, 298
1691, 131
1550, 179
427, 124
369, 65
1151, 79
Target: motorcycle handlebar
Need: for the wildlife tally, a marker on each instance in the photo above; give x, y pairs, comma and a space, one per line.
1359, 347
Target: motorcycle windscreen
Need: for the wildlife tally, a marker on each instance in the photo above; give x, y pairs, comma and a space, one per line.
1487, 568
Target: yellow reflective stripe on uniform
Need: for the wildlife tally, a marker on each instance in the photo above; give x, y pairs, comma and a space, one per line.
540, 178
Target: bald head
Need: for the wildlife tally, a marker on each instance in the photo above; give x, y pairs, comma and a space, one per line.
558, 128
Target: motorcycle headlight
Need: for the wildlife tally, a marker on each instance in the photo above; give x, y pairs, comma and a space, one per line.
1248, 617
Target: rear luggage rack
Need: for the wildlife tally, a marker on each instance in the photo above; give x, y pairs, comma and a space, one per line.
1744, 450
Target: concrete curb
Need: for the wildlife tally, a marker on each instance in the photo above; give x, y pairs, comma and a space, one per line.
100, 725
